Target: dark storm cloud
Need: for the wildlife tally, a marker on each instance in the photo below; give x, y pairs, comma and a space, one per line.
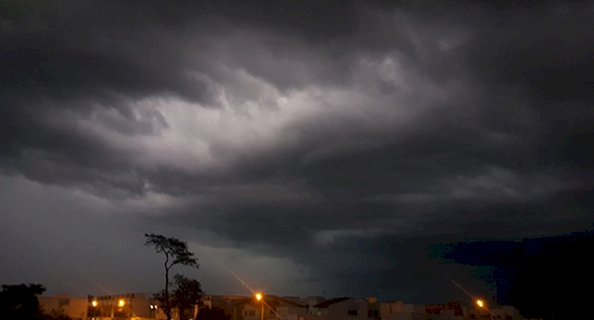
347, 137
71, 58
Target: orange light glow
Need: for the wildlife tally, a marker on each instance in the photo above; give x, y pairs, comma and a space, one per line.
480, 303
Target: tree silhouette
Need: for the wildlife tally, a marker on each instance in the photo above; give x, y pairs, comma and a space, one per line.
20, 301
176, 252
184, 297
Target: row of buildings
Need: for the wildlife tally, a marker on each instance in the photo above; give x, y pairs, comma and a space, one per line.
139, 306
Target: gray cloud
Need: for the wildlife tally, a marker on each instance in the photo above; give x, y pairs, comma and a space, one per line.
341, 140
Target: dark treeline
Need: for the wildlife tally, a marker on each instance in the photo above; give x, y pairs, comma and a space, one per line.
548, 278
20, 302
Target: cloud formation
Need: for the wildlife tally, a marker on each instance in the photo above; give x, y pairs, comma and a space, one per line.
342, 139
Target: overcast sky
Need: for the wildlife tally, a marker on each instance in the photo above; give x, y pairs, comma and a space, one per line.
311, 147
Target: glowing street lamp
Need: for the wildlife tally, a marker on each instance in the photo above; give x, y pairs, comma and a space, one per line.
93, 311
260, 298
121, 303
480, 303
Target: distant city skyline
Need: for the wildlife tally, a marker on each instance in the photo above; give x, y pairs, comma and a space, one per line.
263, 307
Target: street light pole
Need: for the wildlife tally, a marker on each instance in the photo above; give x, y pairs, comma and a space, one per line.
112, 312
260, 298
121, 303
